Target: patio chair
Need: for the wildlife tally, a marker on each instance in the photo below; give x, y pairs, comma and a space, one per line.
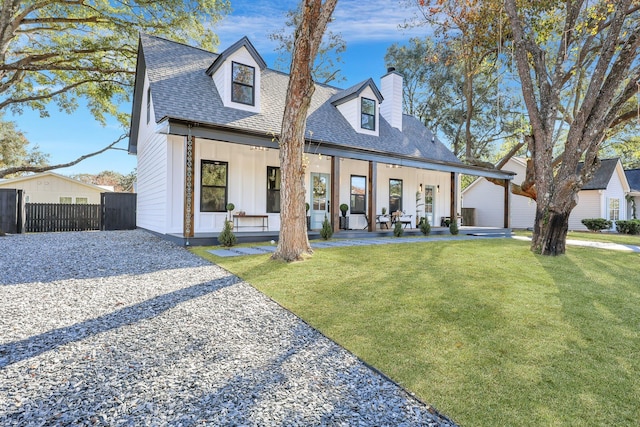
383, 220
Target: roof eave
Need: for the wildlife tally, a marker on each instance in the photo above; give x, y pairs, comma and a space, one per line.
184, 127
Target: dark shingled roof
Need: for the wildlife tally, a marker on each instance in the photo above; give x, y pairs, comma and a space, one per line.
602, 176
182, 90
633, 178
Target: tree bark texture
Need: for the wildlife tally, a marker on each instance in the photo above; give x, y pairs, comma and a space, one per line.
545, 74
293, 241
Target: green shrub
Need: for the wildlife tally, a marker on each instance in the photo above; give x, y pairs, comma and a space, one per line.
631, 226
344, 208
425, 227
597, 224
227, 238
398, 231
453, 227
327, 229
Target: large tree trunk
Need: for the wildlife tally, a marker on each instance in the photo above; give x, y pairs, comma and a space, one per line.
550, 232
293, 241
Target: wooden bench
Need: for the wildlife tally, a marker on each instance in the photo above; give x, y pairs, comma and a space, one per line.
264, 218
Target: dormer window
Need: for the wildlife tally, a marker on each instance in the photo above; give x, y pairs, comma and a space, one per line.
368, 114
243, 84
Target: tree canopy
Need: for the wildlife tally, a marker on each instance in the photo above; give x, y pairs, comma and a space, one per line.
61, 50
55, 52
579, 67
325, 64
14, 149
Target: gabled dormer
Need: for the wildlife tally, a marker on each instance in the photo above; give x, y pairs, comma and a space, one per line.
360, 105
236, 73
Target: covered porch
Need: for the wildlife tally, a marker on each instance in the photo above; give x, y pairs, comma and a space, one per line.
256, 236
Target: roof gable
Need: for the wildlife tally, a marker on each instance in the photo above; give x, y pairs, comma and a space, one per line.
227, 53
633, 177
355, 91
602, 176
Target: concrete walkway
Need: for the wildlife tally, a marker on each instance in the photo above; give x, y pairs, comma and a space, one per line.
598, 245
265, 248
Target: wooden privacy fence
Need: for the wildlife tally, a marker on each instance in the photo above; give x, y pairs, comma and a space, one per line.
62, 217
117, 211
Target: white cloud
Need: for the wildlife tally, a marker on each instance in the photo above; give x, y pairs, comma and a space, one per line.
358, 21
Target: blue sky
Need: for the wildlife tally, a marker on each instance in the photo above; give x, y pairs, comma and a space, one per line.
368, 27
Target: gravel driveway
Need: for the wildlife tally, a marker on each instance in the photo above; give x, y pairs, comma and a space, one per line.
121, 328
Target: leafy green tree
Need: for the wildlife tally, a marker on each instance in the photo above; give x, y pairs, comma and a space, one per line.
434, 92
471, 33
14, 150
118, 181
59, 51
329, 53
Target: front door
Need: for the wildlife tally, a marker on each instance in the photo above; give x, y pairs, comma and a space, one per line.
429, 203
320, 196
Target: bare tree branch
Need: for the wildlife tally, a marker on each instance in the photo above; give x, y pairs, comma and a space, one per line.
31, 168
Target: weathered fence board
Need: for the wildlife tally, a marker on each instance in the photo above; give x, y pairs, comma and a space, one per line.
61, 217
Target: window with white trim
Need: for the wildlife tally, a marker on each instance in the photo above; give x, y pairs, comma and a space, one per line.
614, 209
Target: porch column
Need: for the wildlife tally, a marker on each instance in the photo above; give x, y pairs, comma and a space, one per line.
507, 197
372, 194
188, 186
453, 208
335, 193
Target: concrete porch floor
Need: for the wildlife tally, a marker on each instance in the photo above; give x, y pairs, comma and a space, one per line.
211, 239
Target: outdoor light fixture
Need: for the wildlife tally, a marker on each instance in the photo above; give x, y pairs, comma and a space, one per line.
438, 188
420, 188
256, 148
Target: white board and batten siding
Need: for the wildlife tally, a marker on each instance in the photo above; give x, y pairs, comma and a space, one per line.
246, 186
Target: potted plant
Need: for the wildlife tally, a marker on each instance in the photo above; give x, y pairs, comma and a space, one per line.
230, 208
384, 211
344, 221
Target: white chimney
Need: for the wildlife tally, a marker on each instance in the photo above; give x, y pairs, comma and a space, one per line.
391, 107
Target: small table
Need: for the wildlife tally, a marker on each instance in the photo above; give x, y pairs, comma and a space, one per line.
265, 221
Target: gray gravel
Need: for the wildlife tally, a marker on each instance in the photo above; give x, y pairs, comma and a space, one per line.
121, 328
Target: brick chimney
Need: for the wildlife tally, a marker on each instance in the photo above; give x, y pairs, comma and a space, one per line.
391, 89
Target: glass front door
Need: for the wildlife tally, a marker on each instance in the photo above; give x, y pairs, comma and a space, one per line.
429, 203
320, 196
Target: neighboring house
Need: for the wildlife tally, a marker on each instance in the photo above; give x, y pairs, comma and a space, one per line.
602, 197
633, 178
49, 187
205, 126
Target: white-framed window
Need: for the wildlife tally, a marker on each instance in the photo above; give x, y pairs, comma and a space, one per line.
82, 201
66, 200
614, 209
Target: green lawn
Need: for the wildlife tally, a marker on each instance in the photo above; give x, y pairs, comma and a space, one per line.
486, 331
